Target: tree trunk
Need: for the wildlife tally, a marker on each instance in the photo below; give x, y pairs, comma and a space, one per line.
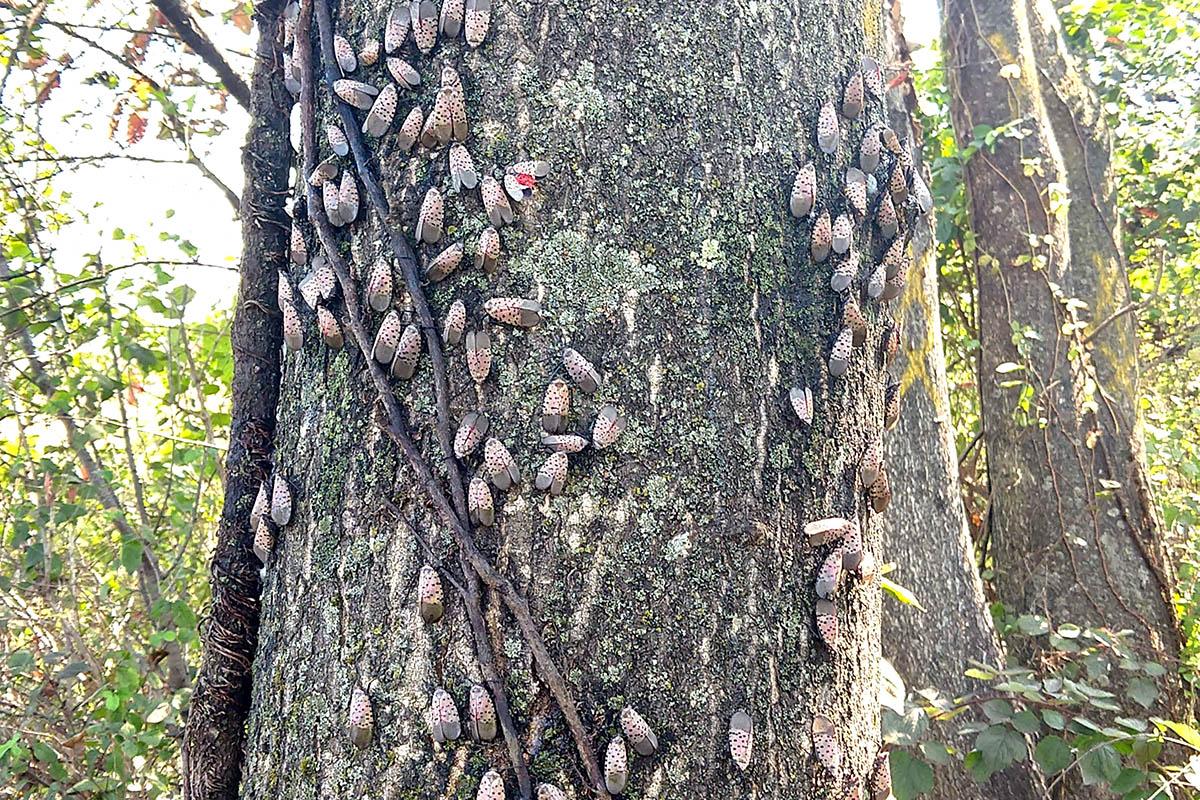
672, 574
1073, 528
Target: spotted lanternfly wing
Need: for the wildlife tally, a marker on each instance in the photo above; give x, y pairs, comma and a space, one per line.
827, 624
872, 77
607, 427
430, 218
856, 190
616, 766
382, 111
298, 249
845, 271
852, 97
804, 191
823, 531
515, 311
920, 190
639, 734
885, 216
260, 506
343, 53
741, 739
479, 355
430, 601
404, 363
264, 540
330, 196
323, 277
891, 141
438, 124
828, 134
891, 342
852, 549
424, 16
495, 204
290, 81
471, 430
825, 744
881, 776
586, 376
880, 492
456, 102
487, 252
451, 18
904, 157
491, 786
325, 171
395, 30
360, 721
310, 292
802, 403
564, 443
555, 405
410, 130
445, 263
348, 198
479, 502
478, 18
482, 715
822, 237
852, 318
868, 151
294, 126
379, 286
443, 717
829, 574
891, 405
456, 321
894, 286
284, 290
387, 338
356, 93
331, 330
500, 464
548, 791
337, 139
293, 331
403, 73
552, 476
841, 233
462, 168
369, 53
877, 281
518, 191
898, 186
872, 463
533, 170
281, 501
839, 356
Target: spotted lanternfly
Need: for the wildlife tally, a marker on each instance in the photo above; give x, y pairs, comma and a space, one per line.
904, 157
403, 73
462, 168
330, 197
260, 506
500, 464
823, 531
891, 141
852, 549
299, 250
487, 252
379, 286
822, 236
885, 217
438, 124
424, 17
827, 624
515, 311
741, 739
898, 186
552, 476
891, 405
281, 501
478, 17
896, 258
456, 103
481, 719
471, 430
609, 424
446, 262
320, 283
294, 126
827, 129
881, 776
842, 231
868, 151
894, 286
348, 199
828, 575
456, 320
856, 190
639, 734
291, 73
825, 744
802, 403
264, 540
877, 281
356, 93
343, 53
920, 190
872, 77
616, 766
369, 53
845, 271
839, 356
564, 442
479, 502
293, 332
479, 355
430, 602
586, 376
283, 290
387, 338
872, 463
451, 18
430, 218
852, 97
331, 330
891, 342
410, 130
521, 177
360, 722
880, 492
555, 405
325, 171
404, 363
382, 111
395, 30
443, 717
495, 204
548, 791
491, 786
804, 191
852, 318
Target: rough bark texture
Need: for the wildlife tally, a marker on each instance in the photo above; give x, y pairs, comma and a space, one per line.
214, 742
672, 574
1073, 528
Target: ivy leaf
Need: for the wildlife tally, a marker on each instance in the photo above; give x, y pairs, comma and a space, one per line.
910, 776
1052, 755
1101, 764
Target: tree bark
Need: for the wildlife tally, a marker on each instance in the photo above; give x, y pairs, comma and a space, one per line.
673, 573
1074, 530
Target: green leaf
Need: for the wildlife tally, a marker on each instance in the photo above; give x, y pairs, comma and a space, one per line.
1026, 722
1001, 746
1101, 764
131, 554
998, 710
900, 593
910, 776
1185, 732
935, 752
1142, 691
1052, 755
1128, 780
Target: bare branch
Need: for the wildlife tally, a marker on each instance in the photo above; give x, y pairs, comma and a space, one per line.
195, 38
